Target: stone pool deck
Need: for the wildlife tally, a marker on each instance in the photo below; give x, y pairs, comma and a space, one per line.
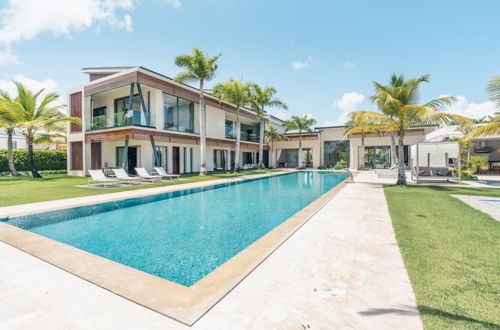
342, 269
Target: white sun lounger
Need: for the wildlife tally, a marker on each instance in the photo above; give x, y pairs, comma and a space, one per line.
162, 173
123, 176
141, 171
99, 177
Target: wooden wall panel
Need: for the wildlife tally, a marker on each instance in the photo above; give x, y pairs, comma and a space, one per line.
76, 110
76, 156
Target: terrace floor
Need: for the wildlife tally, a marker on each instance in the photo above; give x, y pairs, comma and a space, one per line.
342, 269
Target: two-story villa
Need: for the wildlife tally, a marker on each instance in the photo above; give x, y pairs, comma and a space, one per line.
134, 117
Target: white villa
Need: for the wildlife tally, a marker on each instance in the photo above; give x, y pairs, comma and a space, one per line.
165, 117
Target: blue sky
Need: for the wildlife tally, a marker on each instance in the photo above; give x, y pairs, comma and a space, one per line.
322, 56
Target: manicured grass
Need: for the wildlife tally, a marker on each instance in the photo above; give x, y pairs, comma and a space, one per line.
25, 189
452, 254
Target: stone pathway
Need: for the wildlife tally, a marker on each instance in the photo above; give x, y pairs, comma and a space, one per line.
341, 270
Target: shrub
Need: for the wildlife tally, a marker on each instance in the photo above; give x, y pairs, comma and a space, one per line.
338, 167
322, 167
45, 160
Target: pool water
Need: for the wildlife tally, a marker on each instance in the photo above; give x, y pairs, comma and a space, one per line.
493, 183
182, 236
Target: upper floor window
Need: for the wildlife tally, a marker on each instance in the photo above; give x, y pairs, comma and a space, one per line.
179, 114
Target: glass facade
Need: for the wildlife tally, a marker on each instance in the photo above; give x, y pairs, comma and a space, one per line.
336, 152
123, 116
247, 132
289, 158
179, 114
378, 157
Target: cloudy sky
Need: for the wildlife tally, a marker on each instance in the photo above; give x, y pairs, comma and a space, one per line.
322, 56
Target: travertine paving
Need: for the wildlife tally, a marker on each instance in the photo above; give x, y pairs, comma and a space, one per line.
485, 204
341, 270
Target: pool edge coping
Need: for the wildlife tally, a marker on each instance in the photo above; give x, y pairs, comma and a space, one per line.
183, 304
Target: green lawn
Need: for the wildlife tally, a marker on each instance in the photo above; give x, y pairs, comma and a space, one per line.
451, 252
25, 189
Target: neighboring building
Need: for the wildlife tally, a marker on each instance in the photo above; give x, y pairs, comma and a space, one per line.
327, 146
19, 142
164, 117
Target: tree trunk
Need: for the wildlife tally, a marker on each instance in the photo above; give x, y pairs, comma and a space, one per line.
261, 144
10, 156
31, 160
300, 150
237, 150
394, 157
401, 161
272, 156
361, 158
468, 156
203, 129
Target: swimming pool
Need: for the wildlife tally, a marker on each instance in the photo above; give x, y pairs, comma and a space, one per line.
182, 236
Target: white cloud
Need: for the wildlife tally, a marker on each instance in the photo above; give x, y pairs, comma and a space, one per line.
347, 103
296, 66
469, 109
174, 3
51, 86
308, 115
349, 65
26, 19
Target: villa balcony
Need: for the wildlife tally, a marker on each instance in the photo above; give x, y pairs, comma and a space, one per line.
249, 137
121, 119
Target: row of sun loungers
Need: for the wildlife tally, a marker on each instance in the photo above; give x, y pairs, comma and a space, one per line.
98, 176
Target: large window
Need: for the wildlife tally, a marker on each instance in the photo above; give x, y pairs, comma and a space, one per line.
247, 132
378, 157
125, 116
99, 117
290, 158
230, 130
179, 114
336, 152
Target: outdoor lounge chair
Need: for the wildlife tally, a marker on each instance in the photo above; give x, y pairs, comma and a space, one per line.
391, 172
99, 177
123, 176
162, 173
143, 174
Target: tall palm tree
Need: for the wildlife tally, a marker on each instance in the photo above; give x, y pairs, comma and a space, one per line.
299, 125
272, 134
35, 117
198, 68
493, 127
8, 122
262, 98
238, 93
400, 111
360, 123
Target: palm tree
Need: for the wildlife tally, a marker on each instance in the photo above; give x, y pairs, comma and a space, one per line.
398, 103
8, 122
198, 68
360, 123
238, 93
36, 117
262, 98
300, 125
272, 134
493, 127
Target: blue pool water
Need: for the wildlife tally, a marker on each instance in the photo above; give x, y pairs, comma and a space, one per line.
183, 236
493, 183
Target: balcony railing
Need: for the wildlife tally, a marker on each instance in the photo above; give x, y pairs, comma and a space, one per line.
121, 119
250, 137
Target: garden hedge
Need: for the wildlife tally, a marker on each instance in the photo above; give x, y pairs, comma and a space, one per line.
44, 160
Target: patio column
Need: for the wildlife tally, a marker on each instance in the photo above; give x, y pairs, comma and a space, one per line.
125, 155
